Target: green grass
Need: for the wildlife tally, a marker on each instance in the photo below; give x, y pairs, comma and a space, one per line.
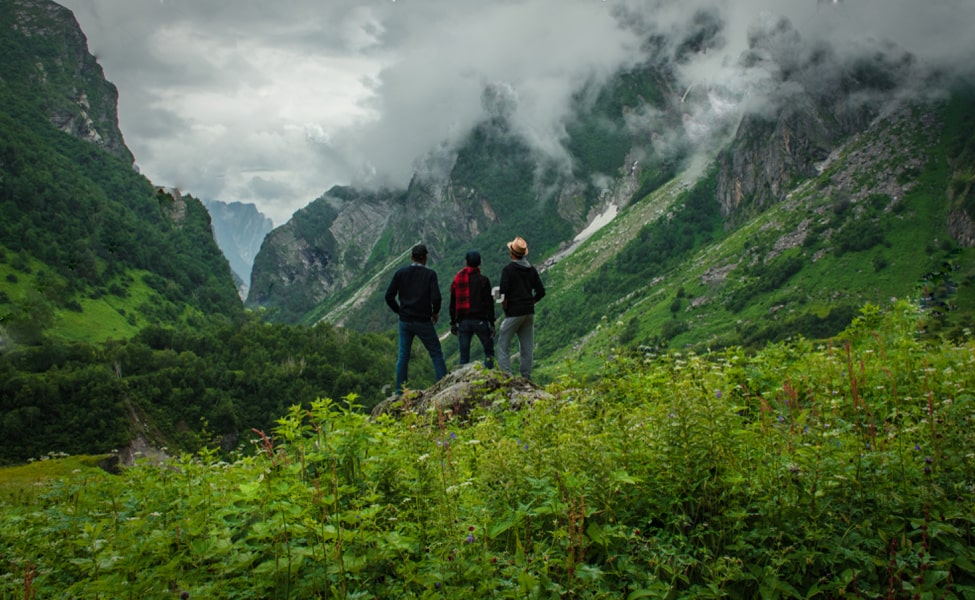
20, 484
108, 317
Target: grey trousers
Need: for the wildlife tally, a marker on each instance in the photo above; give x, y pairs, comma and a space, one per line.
524, 326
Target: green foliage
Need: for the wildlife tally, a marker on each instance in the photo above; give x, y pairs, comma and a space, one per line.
76, 215
217, 378
760, 279
799, 472
659, 246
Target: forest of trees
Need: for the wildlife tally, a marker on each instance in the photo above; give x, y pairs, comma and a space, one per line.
193, 385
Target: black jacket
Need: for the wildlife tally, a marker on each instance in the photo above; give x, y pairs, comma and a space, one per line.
481, 301
419, 293
522, 288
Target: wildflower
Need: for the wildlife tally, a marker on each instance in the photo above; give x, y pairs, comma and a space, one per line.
453, 435
717, 394
917, 447
469, 539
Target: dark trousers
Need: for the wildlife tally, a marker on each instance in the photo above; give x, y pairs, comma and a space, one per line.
466, 330
428, 335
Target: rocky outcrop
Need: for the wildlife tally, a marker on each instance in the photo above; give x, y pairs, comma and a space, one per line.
768, 155
463, 390
77, 98
820, 101
962, 228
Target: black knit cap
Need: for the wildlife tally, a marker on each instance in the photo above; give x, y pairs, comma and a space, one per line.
473, 258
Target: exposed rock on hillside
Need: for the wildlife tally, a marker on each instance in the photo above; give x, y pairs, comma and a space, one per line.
78, 99
319, 250
815, 109
463, 390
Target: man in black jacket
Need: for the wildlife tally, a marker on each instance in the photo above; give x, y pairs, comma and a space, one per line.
418, 309
521, 288
472, 309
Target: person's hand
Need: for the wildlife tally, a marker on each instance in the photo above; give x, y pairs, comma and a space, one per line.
453, 329
435, 317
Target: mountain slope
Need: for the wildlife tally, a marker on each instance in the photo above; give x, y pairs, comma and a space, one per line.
88, 248
874, 225
493, 187
843, 188
120, 325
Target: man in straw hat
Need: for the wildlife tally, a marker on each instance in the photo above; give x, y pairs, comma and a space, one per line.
521, 288
418, 309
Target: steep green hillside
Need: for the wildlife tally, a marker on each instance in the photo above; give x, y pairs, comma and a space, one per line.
873, 226
88, 249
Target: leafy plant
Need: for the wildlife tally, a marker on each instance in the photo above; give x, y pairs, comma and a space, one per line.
804, 470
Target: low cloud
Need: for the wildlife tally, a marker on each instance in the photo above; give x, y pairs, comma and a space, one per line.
273, 103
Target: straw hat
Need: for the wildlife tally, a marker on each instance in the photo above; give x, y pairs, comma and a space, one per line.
518, 248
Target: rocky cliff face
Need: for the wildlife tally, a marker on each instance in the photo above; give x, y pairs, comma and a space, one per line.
319, 250
820, 100
239, 230
78, 99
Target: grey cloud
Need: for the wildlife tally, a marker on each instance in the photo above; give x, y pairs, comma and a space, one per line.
270, 188
217, 95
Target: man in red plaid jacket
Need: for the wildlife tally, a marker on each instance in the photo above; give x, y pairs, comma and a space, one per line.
472, 309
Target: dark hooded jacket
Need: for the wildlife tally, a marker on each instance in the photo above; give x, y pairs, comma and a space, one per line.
522, 288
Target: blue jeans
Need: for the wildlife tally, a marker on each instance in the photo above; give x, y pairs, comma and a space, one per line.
428, 335
524, 326
466, 330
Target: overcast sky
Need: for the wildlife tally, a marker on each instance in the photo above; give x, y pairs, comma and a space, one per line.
274, 102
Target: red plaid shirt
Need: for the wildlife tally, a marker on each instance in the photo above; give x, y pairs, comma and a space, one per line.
470, 296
